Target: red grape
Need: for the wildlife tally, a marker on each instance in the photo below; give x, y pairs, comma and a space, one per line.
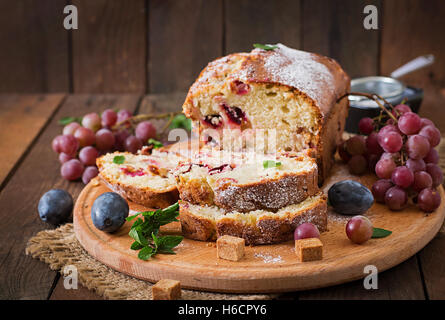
123, 115
426, 122
145, 130
55, 144
355, 145
417, 146
392, 156
72, 169
366, 125
384, 168
422, 180
357, 164
432, 156
91, 121
120, 137
416, 165
63, 157
132, 144
68, 144
359, 229
396, 198
372, 144
344, 155
401, 109
306, 230
391, 142
388, 128
432, 134
428, 200
109, 118
409, 123
70, 128
435, 173
379, 189
88, 156
402, 176
85, 136
89, 173
372, 161
104, 140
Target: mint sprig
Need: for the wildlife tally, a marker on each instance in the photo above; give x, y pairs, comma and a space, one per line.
145, 229
380, 233
67, 120
156, 144
266, 47
118, 159
270, 164
181, 121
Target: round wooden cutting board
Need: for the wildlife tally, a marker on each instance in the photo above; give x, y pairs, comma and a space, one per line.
267, 268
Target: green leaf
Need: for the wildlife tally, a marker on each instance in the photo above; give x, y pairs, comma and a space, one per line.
131, 218
118, 159
156, 144
169, 242
136, 246
270, 164
265, 46
66, 120
181, 121
138, 236
380, 233
145, 253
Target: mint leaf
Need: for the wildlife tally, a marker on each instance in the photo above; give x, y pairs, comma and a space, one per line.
380, 233
167, 243
181, 121
270, 164
146, 253
138, 237
131, 218
156, 144
136, 246
66, 120
118, 159
266, 47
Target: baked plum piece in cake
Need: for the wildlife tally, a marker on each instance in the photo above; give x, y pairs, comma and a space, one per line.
245, 181
284, 96
140, 178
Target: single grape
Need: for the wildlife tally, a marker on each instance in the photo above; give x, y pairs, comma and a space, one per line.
388, 128
85, 136
89, 173
416, 165
72, 169
393, 156
409, 123
123, 115
379, 189
428, 200
384, 168
359, 229
91, 121
63, 157
435, 173
372, 144
306, 230
401, 109
55, 144
120, 137
366, 125
432, 156
372, 160
355, 145
344, 155
109, 118
402, 176
88, 155
422, 180
432, 134
132, 144
70, 128
145, 130
417, 146
396, 198
426, 122
68, 144
105, 140
391, 142
357, 164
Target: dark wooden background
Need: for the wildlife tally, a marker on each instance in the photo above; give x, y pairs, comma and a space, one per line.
160, 46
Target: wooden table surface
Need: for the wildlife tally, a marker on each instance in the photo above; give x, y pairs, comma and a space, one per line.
29, 168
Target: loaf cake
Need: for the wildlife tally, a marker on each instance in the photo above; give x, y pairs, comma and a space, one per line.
245, 182
286, 97
207, 223
143, 179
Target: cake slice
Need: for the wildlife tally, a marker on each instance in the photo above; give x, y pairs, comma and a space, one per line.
140, 178
283, 96
207, 223
241, 181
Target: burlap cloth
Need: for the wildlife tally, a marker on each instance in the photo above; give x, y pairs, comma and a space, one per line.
59, 248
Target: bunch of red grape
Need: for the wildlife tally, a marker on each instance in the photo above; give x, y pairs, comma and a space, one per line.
81, 143
401, 153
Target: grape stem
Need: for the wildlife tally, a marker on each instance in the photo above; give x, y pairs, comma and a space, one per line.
374, 97
142, 117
